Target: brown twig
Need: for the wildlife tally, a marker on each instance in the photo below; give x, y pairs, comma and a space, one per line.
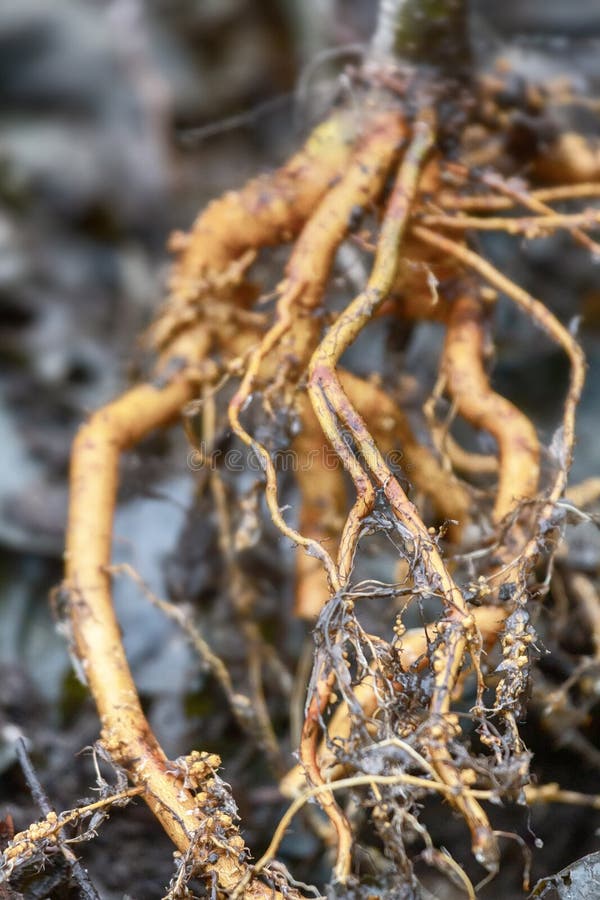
80, 875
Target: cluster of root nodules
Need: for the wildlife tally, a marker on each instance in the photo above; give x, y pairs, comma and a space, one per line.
421, 672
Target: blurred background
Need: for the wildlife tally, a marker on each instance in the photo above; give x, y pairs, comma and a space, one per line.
118, 121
